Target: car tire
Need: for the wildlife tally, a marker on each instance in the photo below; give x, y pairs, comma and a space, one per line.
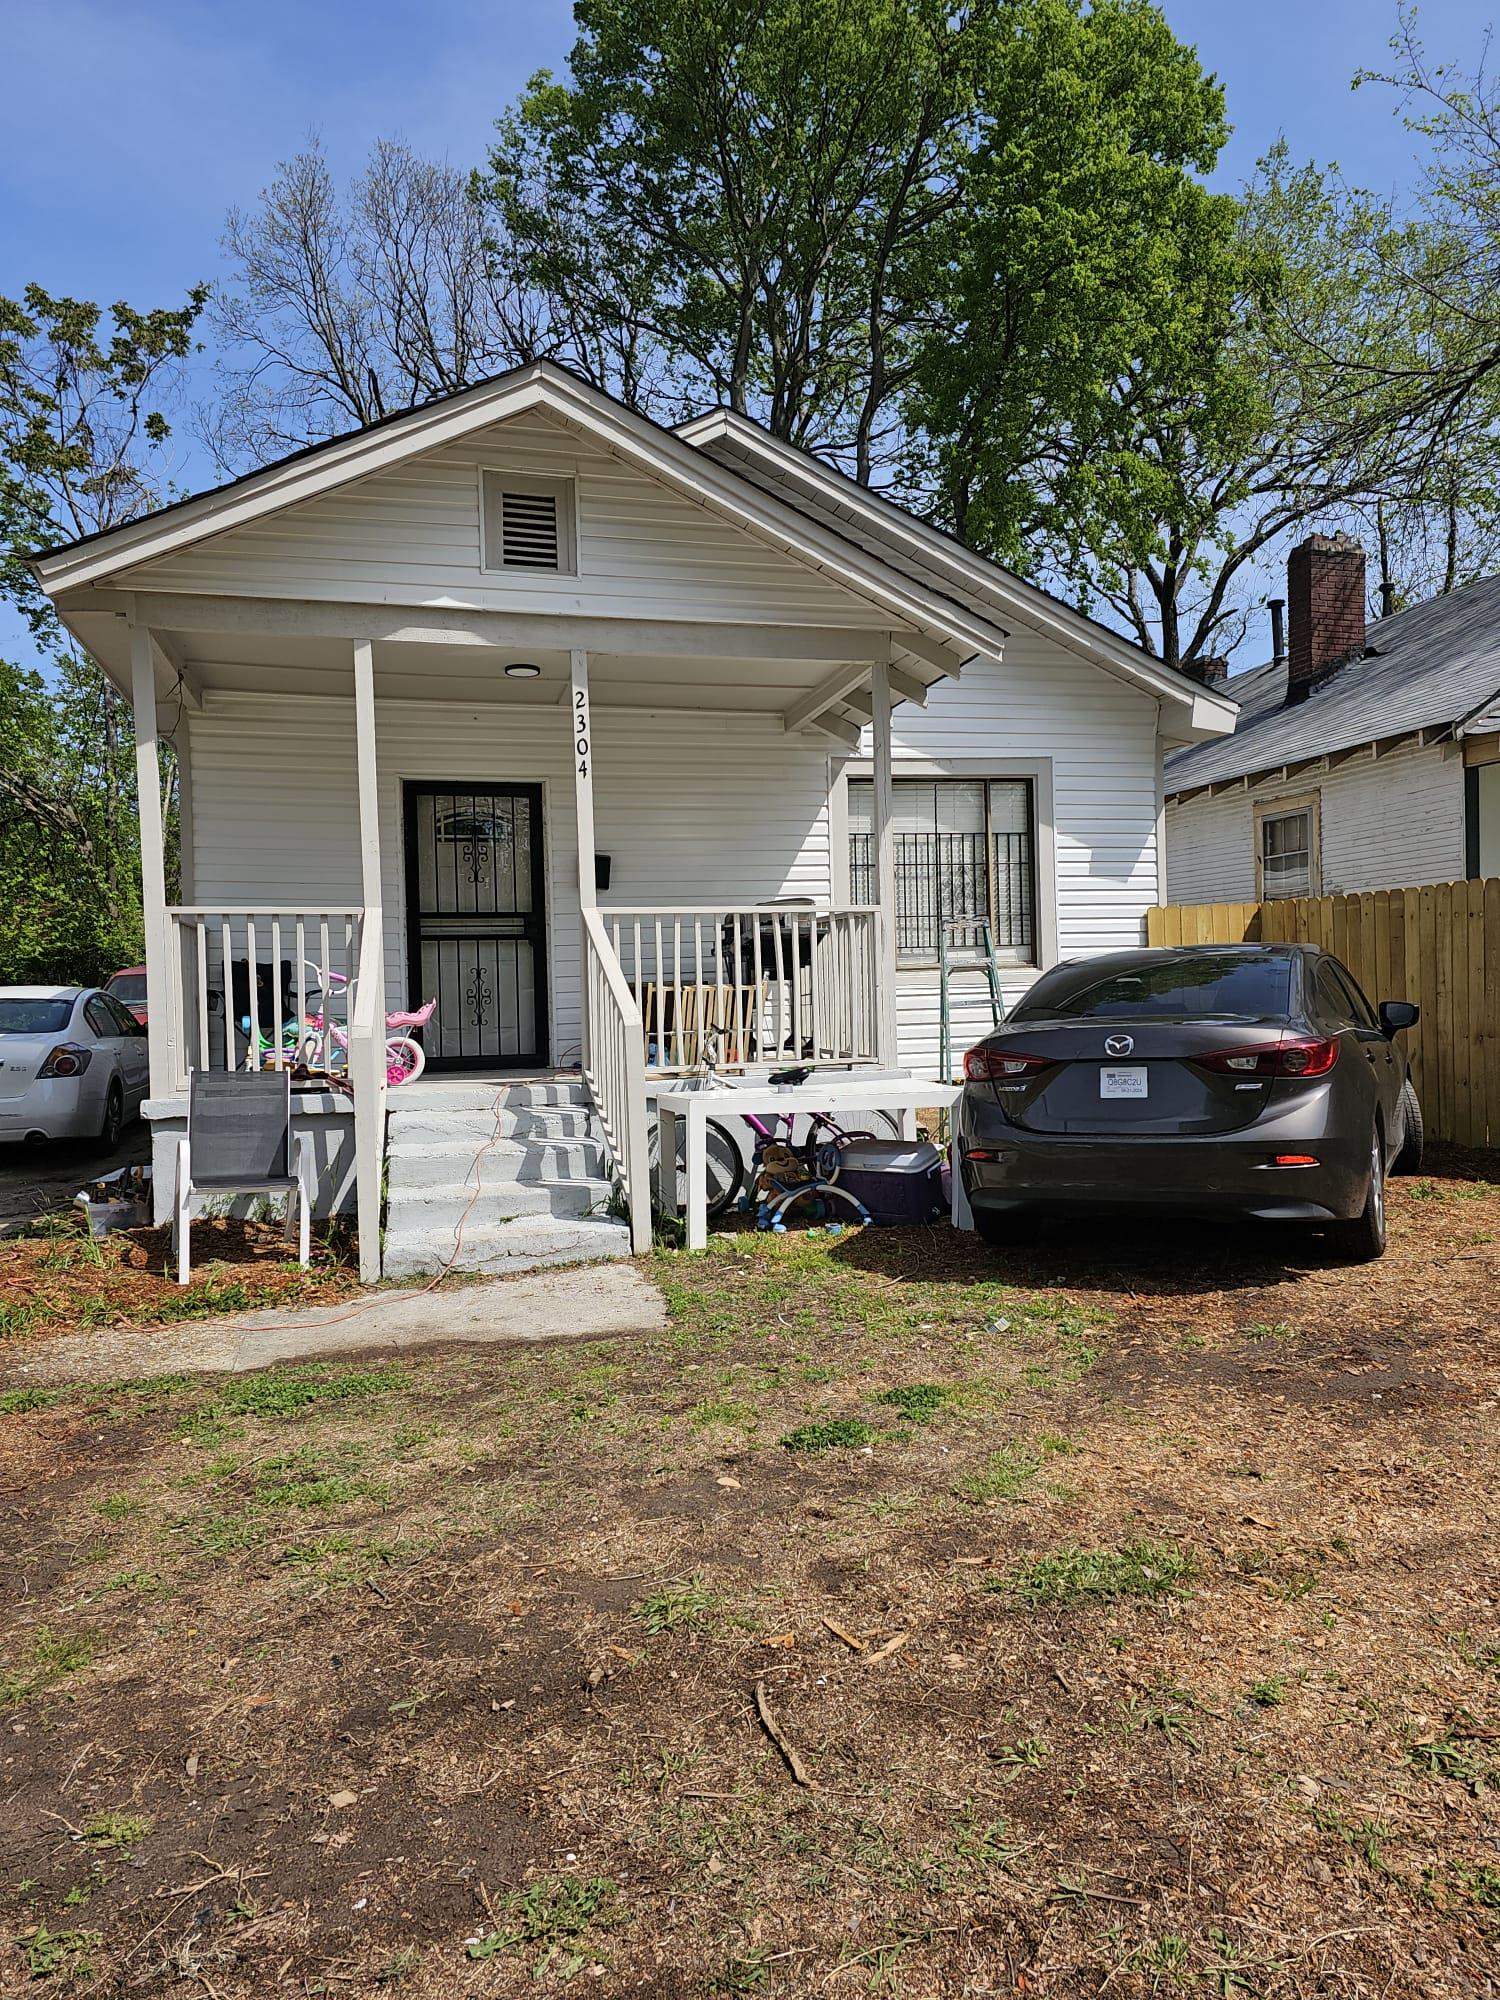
113, 1122
1363, 1239
995, 1226
1409, 1159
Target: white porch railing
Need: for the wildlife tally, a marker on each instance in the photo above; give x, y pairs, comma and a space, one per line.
757, 983
221, 1014
614, 1064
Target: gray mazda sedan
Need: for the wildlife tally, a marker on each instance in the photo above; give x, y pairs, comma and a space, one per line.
1225, 1079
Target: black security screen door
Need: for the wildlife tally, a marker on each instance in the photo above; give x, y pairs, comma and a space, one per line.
476, 921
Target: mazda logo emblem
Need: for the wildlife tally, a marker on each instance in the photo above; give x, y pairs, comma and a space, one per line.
1118, 1045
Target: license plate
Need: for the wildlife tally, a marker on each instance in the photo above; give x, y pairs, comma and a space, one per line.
1123, 1082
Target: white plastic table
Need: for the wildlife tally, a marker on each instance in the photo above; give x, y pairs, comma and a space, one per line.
839, 1094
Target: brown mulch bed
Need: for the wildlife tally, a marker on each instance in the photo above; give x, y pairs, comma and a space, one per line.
61, 1282
1126, 1601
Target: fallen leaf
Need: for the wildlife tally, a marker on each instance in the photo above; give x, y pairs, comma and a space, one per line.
725, 1480
891, 1646
783, 1639
191, 1765
341, 1799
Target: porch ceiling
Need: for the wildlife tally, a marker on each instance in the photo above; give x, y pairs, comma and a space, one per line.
750, 669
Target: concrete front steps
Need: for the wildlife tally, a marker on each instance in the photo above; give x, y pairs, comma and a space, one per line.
496, 1177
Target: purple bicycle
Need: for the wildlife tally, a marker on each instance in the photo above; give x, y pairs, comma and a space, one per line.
775, 1149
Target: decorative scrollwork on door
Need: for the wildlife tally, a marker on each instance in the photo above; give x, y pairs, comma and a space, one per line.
479, 998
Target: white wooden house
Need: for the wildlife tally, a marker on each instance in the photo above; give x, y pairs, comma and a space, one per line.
1363, 758
522, 702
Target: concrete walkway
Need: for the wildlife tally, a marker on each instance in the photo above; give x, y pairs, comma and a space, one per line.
589, 1302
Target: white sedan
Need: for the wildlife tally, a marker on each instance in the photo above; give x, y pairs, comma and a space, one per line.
74, 1064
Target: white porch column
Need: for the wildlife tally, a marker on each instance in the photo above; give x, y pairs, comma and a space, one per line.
164, 1006
582, 752
884, 841
367, 1039
368, 773
583, 780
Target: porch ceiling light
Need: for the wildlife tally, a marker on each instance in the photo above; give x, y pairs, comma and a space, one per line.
523, 670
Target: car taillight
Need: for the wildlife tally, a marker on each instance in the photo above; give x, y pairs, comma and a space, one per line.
1288, 1059
984, 1065
67, 1059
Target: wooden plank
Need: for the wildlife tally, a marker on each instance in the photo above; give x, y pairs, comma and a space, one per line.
1458, 956
1475, 1050
1492, 1011
1437, 921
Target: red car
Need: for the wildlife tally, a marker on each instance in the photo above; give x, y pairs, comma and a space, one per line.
129, 988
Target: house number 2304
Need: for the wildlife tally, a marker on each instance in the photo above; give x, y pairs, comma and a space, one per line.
581, 731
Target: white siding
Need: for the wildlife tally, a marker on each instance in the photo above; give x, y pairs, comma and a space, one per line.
1384, 823
690, 808
411, 535
1099, 738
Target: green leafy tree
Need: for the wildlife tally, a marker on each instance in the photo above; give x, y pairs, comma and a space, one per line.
83, 440
737, 201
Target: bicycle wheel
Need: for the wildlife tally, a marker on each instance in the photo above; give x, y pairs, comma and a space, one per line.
404, 1060
726, 1168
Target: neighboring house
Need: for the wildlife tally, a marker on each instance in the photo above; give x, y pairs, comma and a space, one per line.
1361, 759
522, 702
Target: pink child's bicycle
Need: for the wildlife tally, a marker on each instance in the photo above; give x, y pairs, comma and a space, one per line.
323, 1043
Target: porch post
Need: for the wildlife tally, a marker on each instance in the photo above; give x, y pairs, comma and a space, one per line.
885, 858
163, 1007
368, 773
582, 752
367, 1017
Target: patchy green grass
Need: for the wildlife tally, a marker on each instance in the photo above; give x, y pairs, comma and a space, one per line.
282, 1393
1009, 1470
829, 1434
675, 1604
53, 1657
19, 1402
1139, 1569
557, 1913
918, 1402
118, 1833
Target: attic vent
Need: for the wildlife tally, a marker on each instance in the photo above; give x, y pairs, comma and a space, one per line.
528, 523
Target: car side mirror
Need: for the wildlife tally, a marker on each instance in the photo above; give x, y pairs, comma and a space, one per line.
1398, 1014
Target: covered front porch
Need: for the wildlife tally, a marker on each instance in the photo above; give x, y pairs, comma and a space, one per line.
369, 823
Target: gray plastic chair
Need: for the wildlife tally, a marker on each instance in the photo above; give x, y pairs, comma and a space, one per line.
239, 1141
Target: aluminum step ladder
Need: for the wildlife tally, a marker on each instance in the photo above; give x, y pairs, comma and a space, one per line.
977, 956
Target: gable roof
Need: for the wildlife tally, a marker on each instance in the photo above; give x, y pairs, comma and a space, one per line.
915, 575
1433, 667
921, 551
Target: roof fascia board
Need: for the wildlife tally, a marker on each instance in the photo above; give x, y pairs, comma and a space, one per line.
1068, 627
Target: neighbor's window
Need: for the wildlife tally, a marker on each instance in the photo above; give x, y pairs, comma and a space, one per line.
965, 848
1286, 860
529, 523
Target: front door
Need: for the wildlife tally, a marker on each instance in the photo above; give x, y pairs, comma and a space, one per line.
476, 922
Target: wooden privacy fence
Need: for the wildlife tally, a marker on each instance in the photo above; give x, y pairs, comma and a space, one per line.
1438, 945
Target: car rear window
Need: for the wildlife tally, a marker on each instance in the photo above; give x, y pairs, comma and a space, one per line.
1251, 989
34, 1017
129, 987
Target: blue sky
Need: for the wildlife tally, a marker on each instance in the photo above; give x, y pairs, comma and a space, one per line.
132, 128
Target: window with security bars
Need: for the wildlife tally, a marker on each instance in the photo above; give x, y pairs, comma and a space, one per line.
965, 848
528, 523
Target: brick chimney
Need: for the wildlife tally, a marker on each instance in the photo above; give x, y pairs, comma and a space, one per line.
1212, 671
1325, 587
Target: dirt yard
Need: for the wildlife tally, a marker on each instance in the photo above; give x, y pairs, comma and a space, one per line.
1116, 1616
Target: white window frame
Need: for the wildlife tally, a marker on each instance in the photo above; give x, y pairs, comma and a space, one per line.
1266, 810
493, 482
1038, 771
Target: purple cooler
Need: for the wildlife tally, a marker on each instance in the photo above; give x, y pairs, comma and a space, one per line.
898, 1180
